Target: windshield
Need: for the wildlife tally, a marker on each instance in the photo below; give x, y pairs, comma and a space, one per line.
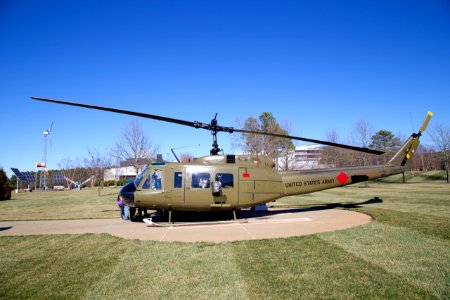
138, 180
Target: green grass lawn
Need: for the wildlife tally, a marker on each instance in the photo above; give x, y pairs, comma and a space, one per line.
56, 205
404, 253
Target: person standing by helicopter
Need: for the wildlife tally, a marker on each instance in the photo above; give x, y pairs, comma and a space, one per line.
124, 209
120, 204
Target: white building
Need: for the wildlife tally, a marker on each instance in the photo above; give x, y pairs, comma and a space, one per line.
304, 157
308, 157
120, 173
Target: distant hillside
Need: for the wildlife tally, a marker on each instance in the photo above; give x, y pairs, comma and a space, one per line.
415, 177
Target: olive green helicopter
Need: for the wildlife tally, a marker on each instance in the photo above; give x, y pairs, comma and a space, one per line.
233, 182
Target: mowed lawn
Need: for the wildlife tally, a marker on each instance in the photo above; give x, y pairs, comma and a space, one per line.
57, 205
404, 253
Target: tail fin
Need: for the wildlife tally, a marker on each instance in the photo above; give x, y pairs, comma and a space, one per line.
408, 149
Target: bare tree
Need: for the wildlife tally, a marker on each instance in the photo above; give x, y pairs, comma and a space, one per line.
98, 162
424, 159
363, 132
135, 146
440, 134
73, 169
286, 160
331, 155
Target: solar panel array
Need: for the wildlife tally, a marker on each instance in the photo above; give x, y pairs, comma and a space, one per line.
19, 174
29, 176
58, 177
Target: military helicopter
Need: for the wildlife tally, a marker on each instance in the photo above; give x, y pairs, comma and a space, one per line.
233, 182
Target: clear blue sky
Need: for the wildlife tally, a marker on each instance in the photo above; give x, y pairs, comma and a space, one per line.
321, 65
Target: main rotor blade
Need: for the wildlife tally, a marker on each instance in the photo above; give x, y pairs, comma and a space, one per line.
211, 126
366, 150
126, 112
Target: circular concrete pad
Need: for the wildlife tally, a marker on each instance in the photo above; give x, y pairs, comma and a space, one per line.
275, 223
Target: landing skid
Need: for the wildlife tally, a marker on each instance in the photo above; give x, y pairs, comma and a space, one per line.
151, 223
164, 219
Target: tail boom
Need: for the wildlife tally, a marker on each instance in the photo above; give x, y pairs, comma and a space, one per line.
304, 182
308, 181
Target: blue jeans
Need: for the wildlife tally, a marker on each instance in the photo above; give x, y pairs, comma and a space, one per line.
121, 210
126, 213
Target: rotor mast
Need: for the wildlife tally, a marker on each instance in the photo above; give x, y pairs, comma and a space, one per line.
215, 146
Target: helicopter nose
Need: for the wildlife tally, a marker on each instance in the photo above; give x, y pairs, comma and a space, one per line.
127, 194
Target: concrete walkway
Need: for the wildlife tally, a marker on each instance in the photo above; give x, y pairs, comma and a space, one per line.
274, 223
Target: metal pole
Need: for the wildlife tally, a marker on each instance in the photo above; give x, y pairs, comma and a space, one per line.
45, 158
35, 182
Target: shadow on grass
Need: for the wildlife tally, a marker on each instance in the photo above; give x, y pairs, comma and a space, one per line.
321, 206
211, 216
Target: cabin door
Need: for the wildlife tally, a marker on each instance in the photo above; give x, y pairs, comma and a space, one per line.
198, 187
178, 185
246, 188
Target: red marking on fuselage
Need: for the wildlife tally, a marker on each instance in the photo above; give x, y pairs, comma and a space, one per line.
342, 177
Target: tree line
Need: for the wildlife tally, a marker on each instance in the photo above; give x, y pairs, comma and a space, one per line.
134, 149
427, 157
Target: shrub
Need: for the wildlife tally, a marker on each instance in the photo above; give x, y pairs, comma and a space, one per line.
5, 189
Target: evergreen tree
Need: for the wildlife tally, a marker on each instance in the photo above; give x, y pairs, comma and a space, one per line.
13, 182
385, 141
268, 145
5, 190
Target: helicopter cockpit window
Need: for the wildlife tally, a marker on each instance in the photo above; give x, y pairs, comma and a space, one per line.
200, 180
156, 179
146, 184
225, 179
138, 180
